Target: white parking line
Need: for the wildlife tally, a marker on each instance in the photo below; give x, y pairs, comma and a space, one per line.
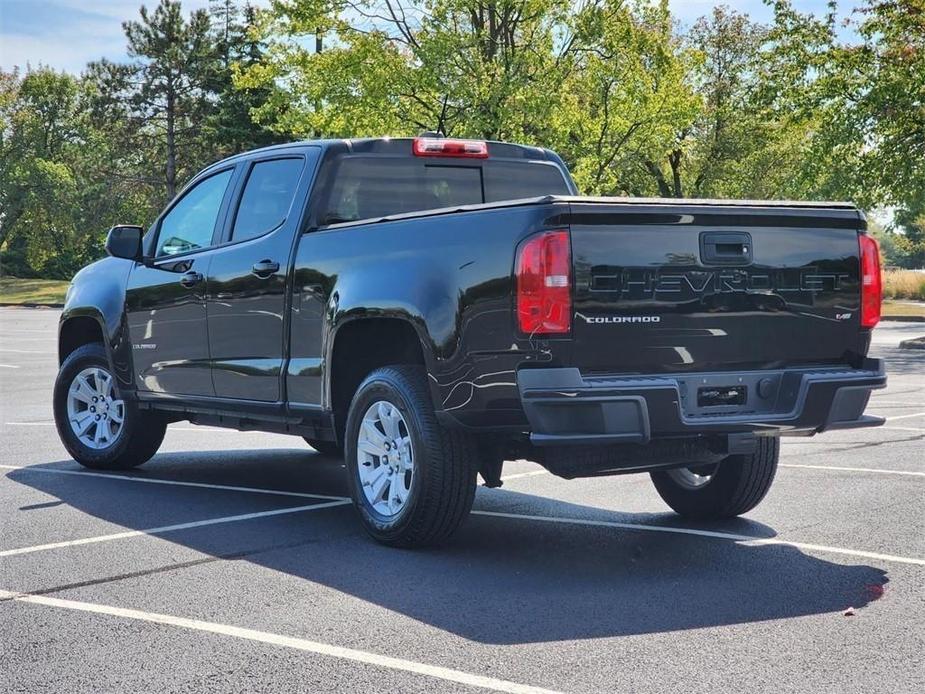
900, 403
23, 351
518, 475
903, 416
167, 528
922, 431
535, 473
176, 483
169, 428
854, 469
316, 647
744, 539
8, 366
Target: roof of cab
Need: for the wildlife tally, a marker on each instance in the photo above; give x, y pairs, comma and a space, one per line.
389, 146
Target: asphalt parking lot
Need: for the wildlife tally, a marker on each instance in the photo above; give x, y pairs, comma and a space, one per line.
231, 563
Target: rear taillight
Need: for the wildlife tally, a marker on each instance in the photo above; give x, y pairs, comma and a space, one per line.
544, 284
442, 147
871, 284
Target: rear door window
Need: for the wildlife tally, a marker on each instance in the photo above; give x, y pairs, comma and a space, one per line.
267, 197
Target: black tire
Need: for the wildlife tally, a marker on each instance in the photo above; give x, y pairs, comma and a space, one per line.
329, 448
737, 485
141, 434
445, 466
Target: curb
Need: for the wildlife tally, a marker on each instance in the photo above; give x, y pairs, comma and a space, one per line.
906, 319
5, 304
914, 343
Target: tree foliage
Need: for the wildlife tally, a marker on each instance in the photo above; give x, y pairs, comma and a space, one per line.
806, 106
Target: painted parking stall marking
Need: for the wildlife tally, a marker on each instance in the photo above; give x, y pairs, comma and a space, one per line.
315, 647
175, 483
338, 501
879, 471
744, 539
164, 529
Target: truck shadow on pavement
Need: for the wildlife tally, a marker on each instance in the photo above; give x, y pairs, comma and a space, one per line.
500, 581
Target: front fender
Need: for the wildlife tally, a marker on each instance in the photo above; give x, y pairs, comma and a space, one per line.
98, 293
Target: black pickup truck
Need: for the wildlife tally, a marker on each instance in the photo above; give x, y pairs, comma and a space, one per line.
430, 307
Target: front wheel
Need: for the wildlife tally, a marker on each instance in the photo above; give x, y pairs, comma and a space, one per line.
412, 480
734, 486
99, 428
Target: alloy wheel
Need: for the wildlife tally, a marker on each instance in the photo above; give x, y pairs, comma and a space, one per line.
95, 413
693, 478
385, 459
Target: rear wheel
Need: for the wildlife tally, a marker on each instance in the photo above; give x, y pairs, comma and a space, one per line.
99, 428
733, 486
412, 480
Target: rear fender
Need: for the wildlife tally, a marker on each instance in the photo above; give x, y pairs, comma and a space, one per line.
349, 303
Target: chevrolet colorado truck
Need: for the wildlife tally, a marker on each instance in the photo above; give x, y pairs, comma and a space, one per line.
429, 307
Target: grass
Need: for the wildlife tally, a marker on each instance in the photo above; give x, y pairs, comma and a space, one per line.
903, 308
904, 284
14, 290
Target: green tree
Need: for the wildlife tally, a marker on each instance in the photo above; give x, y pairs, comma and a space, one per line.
626, 97
879, 87
601, 81
708, 157
163, 93
229, 127
908, 247
481, 68
56, 198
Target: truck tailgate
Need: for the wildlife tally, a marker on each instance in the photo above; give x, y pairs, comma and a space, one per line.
686, 286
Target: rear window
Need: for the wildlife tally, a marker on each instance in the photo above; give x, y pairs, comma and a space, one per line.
510, 181
370, 187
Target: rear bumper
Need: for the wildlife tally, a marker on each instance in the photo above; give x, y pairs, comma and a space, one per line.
565, 407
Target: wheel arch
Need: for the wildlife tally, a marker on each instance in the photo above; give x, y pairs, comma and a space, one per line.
397, 341
87, 325
77, 331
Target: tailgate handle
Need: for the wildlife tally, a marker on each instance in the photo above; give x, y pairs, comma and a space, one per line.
726, 248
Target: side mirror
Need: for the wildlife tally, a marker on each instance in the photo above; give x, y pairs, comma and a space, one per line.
124, 241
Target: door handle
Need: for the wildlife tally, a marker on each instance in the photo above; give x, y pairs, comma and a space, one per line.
191, 279
726, 248
265, 268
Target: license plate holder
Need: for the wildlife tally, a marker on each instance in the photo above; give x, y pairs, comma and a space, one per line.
722, 396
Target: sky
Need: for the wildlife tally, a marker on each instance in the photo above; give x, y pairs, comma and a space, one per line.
66, 34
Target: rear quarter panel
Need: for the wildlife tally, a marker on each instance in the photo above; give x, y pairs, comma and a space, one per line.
448, 275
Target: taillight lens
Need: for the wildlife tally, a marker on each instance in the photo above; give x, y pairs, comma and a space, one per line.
544, 284
442, 147
871, 284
